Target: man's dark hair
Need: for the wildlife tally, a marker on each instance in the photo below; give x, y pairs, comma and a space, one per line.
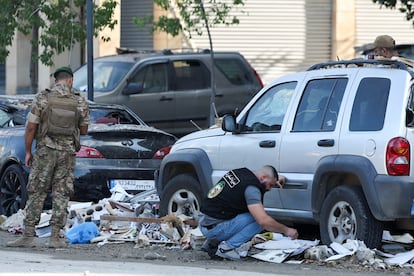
63, 76
273, 170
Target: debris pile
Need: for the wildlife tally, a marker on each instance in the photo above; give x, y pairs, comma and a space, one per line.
135, 218
397, 251
120, 218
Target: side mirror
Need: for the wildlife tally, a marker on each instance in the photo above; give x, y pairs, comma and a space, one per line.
133, 88
229, 123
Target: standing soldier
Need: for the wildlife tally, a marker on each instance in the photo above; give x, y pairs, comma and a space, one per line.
56, 120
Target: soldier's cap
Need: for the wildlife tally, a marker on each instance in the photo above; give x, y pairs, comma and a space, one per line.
384, 41
63, 69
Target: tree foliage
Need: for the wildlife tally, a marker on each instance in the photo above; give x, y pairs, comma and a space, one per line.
188, 16
405, 6
62, 23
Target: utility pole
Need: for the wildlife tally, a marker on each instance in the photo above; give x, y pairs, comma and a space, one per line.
213, 110
89, 46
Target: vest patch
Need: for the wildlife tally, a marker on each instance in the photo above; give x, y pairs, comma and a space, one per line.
231, 179
216, 189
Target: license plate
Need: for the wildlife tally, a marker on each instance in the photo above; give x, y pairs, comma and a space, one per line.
133, 185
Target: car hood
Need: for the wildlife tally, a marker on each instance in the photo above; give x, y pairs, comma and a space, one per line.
211, 132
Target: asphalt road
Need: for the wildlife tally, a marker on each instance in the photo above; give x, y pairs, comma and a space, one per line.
18, 263
21, 263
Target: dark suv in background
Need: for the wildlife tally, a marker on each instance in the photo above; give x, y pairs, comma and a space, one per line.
172, 91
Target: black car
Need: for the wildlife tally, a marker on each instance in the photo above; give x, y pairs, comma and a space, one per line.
119, 148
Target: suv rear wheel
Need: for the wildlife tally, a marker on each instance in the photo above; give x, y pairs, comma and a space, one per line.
182, 195
345, 215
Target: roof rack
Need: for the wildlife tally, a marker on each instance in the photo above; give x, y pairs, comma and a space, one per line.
184, 50
166, 52
121, 51
398, 63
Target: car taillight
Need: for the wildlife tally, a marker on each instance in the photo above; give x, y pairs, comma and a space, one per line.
162, 152
398, 156
87, 152
258, 76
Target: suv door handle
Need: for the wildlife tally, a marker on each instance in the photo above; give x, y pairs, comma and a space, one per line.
326, 143
163, 98
219, 95
267, 144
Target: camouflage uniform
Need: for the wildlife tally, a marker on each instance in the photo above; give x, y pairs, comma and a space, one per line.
53, 163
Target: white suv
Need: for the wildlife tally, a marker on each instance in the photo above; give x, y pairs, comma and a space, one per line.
342, 134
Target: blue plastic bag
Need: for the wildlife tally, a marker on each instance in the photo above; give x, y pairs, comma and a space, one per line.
82, 233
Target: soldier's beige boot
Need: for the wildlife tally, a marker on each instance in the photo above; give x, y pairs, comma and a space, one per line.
55, 241
26, 240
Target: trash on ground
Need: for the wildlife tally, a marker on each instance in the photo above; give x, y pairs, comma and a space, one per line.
134, 218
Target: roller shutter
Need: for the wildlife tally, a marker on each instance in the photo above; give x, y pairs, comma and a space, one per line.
132, 36
277, 36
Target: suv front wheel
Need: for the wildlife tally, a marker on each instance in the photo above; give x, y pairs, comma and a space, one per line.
182, 195
345, 215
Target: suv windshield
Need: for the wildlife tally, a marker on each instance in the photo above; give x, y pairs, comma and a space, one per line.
106, 75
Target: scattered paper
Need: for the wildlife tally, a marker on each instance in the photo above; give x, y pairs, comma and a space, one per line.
401, 258
343, 250
273, 256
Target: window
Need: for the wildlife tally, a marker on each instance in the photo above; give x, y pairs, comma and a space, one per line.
111, 116
319, 107
106, 76
409, 120
234, 70
268, 112
191, 75
153, 78
370, 104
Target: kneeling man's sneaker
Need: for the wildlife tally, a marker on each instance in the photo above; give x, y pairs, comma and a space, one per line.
210, 246
226, 252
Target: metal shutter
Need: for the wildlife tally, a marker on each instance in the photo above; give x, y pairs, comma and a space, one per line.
277, 36
132, 36
372, 20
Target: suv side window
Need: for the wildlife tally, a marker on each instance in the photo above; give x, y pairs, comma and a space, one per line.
153, 78
319, 106
370, 104
268, 112
409, 120
191, 75
234, 71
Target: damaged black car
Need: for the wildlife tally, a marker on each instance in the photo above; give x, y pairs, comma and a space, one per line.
119, 149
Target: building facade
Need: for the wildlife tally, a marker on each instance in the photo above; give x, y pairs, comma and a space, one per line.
276, 36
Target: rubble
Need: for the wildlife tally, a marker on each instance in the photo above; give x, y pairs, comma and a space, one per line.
126, 218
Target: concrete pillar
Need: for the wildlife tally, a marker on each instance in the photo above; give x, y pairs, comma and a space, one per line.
343, 29
163, 40
17, 66
102, 48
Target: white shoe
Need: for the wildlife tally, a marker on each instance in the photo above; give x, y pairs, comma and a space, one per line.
226, 252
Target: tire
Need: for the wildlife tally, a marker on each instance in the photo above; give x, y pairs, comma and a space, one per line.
182, 195
345, 215
13, 192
